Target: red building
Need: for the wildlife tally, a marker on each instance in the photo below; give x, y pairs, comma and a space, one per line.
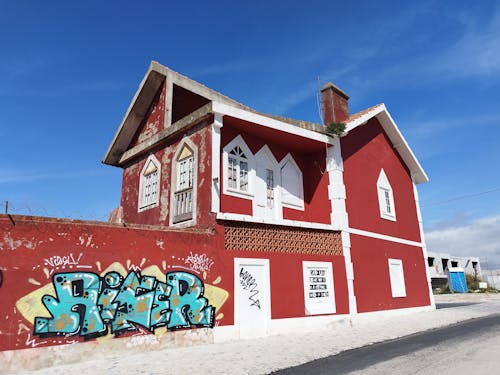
283, 192
271, 224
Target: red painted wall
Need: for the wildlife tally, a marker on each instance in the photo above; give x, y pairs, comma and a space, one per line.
34, 249
155, 118
372, 285
200, 136
317, 206
365, 151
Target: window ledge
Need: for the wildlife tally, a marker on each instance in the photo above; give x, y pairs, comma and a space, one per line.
238, 193
388, 217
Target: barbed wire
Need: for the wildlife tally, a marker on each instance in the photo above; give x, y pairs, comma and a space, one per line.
14, 208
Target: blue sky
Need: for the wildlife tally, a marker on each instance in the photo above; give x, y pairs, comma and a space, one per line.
68, 71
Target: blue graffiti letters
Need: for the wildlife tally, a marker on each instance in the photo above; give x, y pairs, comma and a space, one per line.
87, 304
188, 305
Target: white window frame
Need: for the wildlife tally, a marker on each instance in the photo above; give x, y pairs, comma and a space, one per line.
142, 203
397, 277
175, 183
385, 197
238, 142
291, 200
327, 304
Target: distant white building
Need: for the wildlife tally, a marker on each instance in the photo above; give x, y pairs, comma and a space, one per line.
438, 265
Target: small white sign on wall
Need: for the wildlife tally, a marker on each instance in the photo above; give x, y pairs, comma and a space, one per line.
319, 294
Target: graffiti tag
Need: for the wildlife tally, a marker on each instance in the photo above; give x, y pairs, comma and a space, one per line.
66, 260
87, 304
248, 282
199, 262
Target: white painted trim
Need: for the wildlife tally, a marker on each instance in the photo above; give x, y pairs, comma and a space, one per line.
339, 216
384, 237
284, 222
397, 139
268, 122
239, 141
289, 159
216, 151
363, 119
267, 296
424, 246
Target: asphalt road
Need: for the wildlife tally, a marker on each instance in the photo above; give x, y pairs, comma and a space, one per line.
470, 347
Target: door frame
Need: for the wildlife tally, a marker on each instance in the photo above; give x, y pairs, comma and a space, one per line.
266, 295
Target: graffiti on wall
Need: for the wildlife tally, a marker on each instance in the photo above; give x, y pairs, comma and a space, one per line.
248, 282
88, 304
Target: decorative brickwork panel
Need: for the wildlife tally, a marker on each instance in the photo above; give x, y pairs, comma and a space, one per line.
281, 239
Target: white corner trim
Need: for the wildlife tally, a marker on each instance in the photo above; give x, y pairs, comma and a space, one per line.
284, 222
338, 215
216, 151
268, 122
379, 236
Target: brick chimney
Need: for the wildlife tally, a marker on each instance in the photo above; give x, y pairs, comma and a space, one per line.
335, 104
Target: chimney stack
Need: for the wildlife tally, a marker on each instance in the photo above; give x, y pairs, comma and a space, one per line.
335, 104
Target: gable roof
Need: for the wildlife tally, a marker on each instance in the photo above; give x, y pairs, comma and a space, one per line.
391, 129
142, 99
224, 105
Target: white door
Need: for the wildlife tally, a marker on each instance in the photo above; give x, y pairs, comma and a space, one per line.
265, 189
252, 308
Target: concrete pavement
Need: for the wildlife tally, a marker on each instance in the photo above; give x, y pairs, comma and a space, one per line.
262, 356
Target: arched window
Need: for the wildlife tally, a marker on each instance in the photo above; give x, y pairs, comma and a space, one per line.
149, 184
238, 169
385, 197
183, 203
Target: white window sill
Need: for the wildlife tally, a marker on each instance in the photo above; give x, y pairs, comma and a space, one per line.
238, 193
388, 217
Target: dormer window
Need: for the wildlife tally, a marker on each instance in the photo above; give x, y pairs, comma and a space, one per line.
385, 197
149, 184
238, 167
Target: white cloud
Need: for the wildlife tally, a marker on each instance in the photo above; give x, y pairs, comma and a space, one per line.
480, 238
